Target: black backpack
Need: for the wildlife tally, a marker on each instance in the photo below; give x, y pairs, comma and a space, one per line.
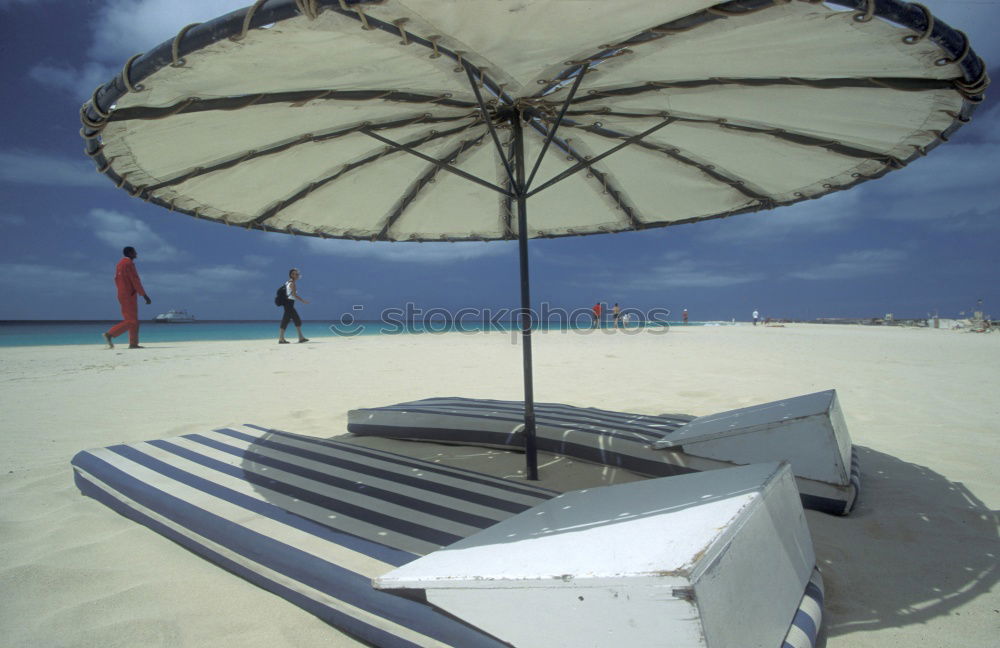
281, 297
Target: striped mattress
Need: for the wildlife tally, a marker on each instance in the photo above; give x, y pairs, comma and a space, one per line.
314, 520
618, 439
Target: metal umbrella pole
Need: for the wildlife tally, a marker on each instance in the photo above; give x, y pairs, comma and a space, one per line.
520, 184
530, 449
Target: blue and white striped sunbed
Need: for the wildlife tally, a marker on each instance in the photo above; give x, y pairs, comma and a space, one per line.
618, 439
314, 520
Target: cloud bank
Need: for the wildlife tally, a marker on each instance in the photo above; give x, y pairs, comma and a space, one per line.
410, 252
119, 230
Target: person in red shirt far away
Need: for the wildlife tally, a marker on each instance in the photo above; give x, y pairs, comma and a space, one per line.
596, 309
129, 287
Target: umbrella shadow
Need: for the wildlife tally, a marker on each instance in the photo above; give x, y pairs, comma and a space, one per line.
916, 547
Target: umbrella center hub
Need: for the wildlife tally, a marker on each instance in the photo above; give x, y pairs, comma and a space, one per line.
505, 113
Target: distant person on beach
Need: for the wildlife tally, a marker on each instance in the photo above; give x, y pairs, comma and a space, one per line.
291, 296
129, 287
616, 315
756, 316
684, 316
596, 309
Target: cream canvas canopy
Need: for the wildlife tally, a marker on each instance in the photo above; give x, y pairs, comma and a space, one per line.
439, 120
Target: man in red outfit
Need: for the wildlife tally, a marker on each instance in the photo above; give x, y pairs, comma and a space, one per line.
129, 286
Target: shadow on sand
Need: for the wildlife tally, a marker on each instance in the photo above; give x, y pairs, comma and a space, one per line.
916, 547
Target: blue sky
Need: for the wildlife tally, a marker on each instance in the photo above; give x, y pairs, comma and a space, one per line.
919, 240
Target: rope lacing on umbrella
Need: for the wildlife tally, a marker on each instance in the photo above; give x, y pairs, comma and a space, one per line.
726, 13
308, 8
958, 59
246, 21
125, 74
357, 10
175, 46
96, 126
179, 107
965, 119
402, 32
913, 39
867, 14
973, 91
970, 90
434, 44
93, 104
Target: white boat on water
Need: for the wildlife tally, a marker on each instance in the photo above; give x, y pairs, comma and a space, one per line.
174, 316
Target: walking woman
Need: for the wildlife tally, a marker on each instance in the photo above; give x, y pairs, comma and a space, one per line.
291, 296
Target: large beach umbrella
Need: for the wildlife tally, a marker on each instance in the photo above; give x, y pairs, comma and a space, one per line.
480, 120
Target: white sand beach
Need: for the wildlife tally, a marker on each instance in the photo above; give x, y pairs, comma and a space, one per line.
916, 564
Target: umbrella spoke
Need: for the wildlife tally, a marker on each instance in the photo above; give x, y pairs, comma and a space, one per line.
679, 25
711, 170
293, 98
408, 148
783, 134
507, 201
583, 163
426, 178
304, 192
587, 162
488, 119
889, 83
396, 27
307, 138
555, 126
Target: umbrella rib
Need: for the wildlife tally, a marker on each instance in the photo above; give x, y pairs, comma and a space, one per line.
425, 178
585, 163
307, 138
486, 117
885, 83
507, 202
430, 42
347, 168
803, 139
685, 23
711, 170
607, 187
552, 131
408, 148
295, 98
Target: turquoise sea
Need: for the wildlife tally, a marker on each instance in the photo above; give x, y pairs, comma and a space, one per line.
50, 332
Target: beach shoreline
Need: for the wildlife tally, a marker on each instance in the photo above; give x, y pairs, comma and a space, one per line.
914, 565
